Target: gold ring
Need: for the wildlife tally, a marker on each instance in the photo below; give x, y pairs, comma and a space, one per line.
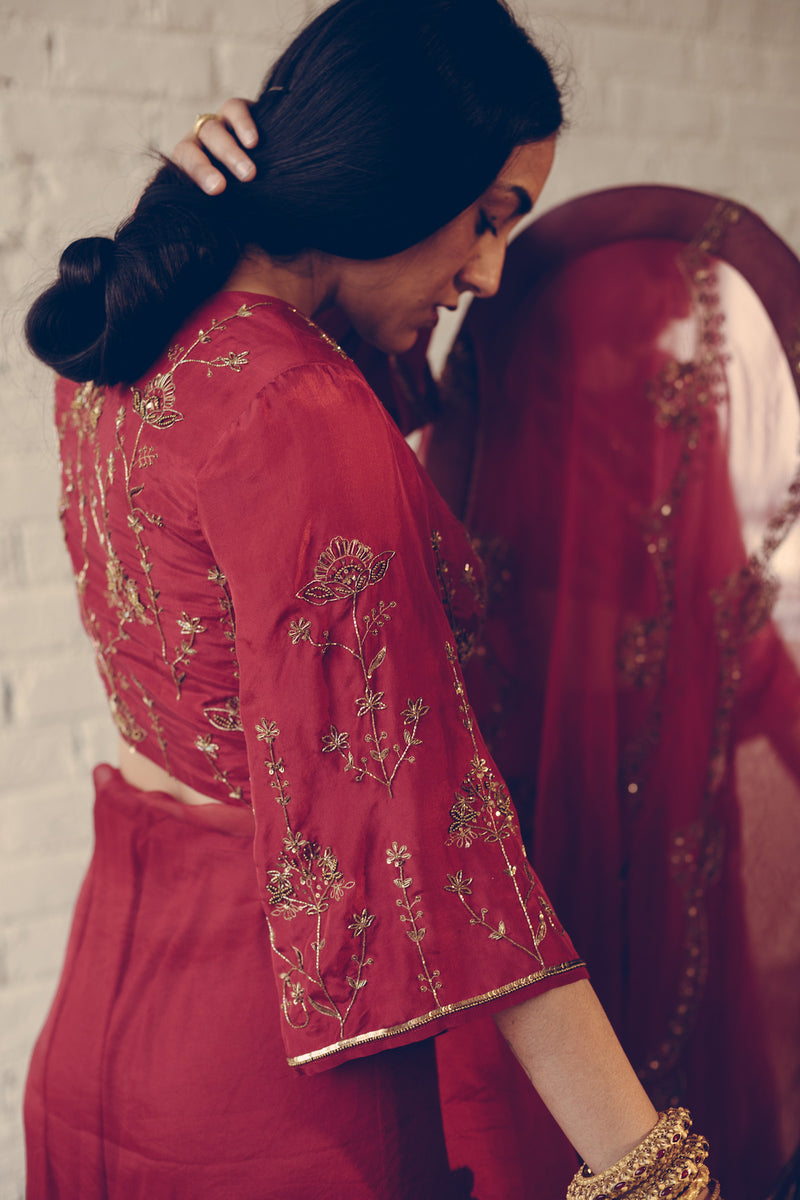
200, 121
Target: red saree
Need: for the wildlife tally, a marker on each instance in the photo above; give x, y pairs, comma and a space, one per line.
628, 468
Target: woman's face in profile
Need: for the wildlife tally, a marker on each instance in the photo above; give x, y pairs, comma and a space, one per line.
390, 300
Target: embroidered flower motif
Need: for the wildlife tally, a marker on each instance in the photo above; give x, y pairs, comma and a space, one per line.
345, 568
233, 360
332, 876
463, 824
414, 711
300, 631
482, 809
369, 702
297, 993
479, 767
335, 740
397, 855
156, 405
361, 922
206, 744
458, 885
215, 575
279, 888
190, 626
267, 731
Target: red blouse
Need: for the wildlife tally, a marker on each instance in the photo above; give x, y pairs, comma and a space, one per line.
278, 600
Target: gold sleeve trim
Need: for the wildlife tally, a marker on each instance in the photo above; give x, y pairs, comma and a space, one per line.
379, 1035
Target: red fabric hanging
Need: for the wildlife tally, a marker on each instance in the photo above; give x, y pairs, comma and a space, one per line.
630, 649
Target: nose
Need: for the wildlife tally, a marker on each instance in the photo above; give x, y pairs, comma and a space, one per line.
481, 273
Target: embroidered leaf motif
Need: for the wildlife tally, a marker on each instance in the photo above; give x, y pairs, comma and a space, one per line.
327, 1010
224, 715
376, 662
317, 593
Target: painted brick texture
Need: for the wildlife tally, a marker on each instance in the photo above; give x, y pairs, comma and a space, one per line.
700, 93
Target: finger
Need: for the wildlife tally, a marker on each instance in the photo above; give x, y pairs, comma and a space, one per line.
219, 141
192, 158
237, 114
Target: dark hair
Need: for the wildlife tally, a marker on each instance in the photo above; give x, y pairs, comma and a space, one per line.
381, 122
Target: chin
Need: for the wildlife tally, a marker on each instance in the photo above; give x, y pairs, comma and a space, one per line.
389, 340
398, 342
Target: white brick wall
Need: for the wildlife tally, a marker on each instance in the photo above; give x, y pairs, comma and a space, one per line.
702, 93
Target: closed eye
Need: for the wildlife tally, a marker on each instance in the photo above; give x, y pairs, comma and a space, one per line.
485, 225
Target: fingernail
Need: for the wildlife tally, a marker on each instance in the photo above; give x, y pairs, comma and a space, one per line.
249, 138
244, 170
213, 183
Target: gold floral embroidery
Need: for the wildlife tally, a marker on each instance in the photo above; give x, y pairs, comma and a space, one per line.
344, 571
189, 627
411, 915
483, 812
465, 638
224, 715
156, 405
205, 743
216, 576
306, 882
155, 723
685, 397
136, 598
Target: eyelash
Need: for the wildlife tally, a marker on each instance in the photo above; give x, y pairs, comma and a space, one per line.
485, 225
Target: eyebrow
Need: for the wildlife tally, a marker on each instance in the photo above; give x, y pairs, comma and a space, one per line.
524, 202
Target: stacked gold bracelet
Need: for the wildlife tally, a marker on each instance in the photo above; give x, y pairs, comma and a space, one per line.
669, 1163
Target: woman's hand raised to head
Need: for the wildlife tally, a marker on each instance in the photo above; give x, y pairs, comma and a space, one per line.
223, 136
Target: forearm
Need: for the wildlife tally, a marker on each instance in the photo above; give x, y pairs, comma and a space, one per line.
569, 1051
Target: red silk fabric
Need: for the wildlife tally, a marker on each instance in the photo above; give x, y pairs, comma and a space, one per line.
161, 1073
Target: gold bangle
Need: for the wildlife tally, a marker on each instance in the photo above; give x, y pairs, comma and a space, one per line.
200, 121
648, 1160
684, 1179
698, 1184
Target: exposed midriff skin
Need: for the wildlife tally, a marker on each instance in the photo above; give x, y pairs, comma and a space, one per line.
147, 776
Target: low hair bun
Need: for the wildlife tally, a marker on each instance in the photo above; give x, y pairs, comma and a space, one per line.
86, 263
66, 326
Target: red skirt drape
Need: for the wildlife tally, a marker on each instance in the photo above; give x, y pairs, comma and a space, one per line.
160, 1072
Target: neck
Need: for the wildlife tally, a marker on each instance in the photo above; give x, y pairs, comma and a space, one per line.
304, 282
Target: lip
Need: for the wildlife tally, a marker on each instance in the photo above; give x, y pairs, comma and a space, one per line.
431, 320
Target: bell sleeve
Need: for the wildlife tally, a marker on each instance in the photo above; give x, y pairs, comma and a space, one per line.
395, 885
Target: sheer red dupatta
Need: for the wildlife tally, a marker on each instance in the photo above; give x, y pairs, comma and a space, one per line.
620, 435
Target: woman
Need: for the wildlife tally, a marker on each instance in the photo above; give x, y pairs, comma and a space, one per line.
278, 600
